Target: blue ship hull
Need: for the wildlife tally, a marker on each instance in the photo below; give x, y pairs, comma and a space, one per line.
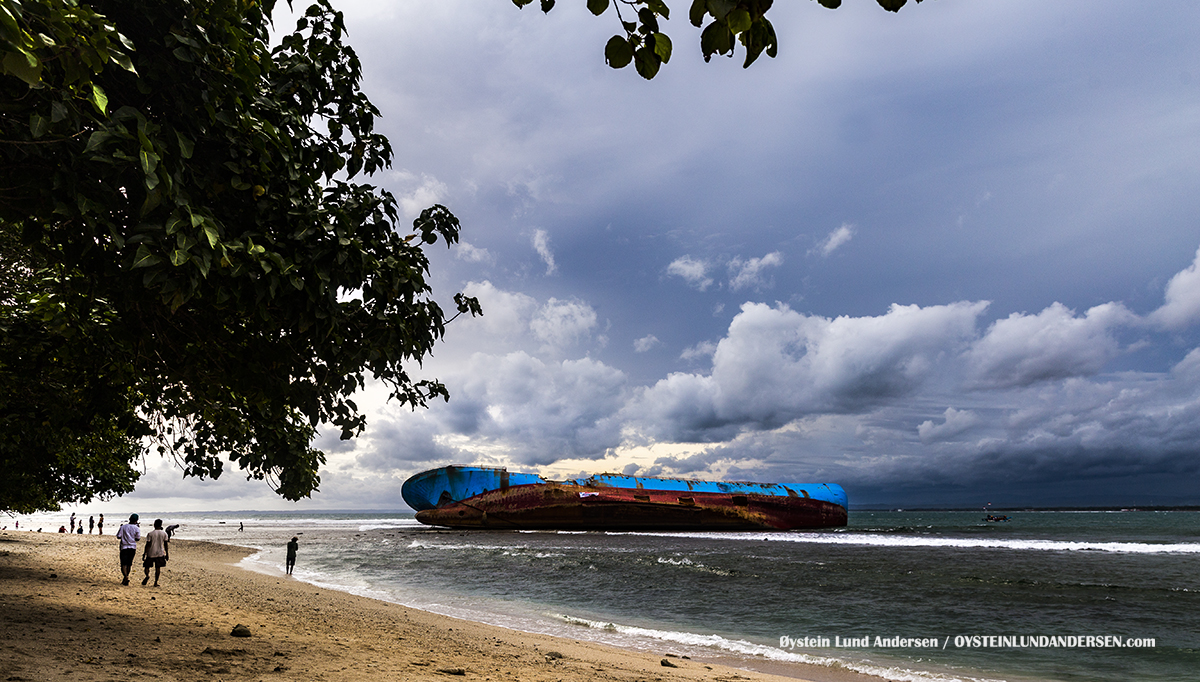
483, 497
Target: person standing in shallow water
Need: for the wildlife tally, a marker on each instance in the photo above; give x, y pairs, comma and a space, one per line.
291, 554
91, 524
100, 526
155, 553
128, 535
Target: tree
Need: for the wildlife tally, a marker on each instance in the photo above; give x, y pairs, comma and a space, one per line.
729, 22
191, 261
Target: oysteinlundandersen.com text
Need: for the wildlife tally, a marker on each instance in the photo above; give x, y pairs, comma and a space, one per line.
970, 642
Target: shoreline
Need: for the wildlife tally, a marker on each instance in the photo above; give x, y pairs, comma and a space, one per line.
66, 617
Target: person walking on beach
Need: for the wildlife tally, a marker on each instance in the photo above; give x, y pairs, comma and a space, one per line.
291, 554
155, 553
100, 525
91, 524
128, 535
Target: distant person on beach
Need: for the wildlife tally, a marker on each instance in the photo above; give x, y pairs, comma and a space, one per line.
291, 554
79, 530
72, 522
128, 535
171, 530
62, 529
100, 525
91, 524
240, 526
155, 553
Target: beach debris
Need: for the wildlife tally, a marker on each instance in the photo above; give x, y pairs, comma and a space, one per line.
452, 671
667, 664
553, 655
240, 630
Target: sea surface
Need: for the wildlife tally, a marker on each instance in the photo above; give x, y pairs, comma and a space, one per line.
951, 584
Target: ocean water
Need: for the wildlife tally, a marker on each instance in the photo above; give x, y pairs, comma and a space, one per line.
1068, 596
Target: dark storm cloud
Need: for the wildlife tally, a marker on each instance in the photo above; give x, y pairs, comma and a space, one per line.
927, 255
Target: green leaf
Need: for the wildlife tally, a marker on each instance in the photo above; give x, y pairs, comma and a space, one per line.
178, 257
173, 224
99, 99
662, 47
646, 62
38, 125
659, 7
892, 5
738, 20
597, 7
144, 259
618, 52
715, 39
696, 13
186, 146
149, 161
830, 4
649, 21
211, 233
24, 65
720, 8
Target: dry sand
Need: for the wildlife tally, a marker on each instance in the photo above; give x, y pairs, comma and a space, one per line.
65, 616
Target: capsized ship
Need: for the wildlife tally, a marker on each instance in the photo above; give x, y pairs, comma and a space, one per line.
494, 498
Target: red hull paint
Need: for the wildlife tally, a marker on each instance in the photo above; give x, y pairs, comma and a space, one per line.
572, 507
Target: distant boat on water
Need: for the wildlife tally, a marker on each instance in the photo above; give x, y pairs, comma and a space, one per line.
494, 498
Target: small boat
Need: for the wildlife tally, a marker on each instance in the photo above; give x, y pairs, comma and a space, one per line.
494, 498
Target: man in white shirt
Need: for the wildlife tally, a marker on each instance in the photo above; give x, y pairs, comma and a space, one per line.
155, 553
128, 535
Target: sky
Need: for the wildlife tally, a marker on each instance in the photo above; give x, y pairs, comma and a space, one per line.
945, 257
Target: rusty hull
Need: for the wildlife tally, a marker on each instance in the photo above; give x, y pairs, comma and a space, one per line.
566, 506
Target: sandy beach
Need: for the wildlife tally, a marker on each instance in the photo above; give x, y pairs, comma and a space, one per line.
65, 616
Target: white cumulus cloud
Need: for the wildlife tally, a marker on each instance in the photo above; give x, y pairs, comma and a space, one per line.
559, 324
471, 253
954, 423
751, 272
1054, 344
646, 343
836, 238
693, 271
419, 193
1182, 306
541, 244
775, 365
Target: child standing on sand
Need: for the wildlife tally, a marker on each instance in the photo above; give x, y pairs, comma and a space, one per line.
291, 554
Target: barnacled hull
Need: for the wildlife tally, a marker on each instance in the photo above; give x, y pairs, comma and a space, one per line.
479, 497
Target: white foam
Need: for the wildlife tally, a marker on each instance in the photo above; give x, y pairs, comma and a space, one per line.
744, 649
869, 540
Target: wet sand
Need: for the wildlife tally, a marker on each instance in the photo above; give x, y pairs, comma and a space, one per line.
65, 616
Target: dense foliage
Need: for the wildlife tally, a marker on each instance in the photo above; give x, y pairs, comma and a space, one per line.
725, 24
187, 258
